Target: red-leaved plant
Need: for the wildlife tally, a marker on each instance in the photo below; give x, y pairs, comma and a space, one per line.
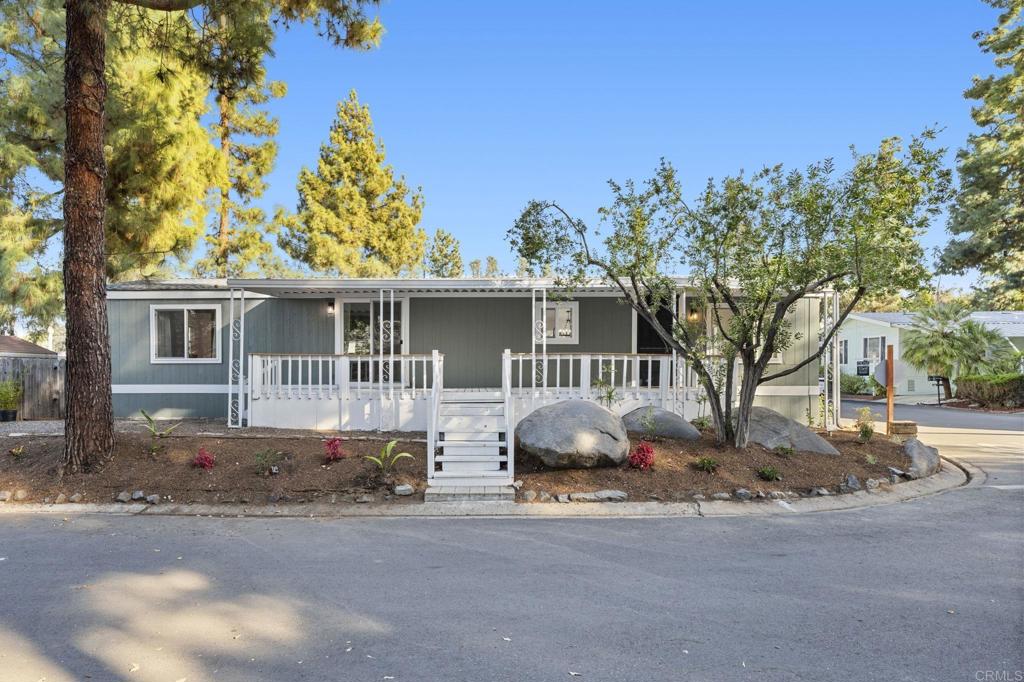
333, 451
642, 456
203, 459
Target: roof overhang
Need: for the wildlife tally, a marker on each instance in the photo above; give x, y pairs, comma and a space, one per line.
366, 286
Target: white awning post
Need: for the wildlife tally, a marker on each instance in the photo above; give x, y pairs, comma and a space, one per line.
236, 358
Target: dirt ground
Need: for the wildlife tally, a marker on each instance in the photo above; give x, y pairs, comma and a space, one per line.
303, 476
674, 477
164, 467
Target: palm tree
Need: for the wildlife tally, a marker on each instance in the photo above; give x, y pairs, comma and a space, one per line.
932, 345
945, 343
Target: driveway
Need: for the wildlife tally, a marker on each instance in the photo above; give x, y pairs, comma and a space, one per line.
931, 589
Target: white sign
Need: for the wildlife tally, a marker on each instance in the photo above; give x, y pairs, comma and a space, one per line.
880, 373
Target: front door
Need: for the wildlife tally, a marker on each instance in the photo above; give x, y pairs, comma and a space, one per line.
369, 328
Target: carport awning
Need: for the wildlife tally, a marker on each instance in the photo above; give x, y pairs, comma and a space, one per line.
294, 288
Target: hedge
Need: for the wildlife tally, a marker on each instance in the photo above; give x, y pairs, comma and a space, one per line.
1003, 390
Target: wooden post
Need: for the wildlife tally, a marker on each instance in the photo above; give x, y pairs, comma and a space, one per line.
890, 392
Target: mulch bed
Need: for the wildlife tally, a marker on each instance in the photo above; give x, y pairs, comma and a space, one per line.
302, 477
674, 477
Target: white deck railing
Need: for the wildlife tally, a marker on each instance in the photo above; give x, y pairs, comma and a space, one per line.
359, 388
626, 379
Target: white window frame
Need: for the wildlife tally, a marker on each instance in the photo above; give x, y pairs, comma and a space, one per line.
574, 306
184, 307
881, 348
844, 351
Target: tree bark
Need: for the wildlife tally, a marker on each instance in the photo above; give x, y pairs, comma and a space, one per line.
947, 389
89, 426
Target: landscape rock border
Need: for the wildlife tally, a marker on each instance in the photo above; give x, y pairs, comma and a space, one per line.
953, 475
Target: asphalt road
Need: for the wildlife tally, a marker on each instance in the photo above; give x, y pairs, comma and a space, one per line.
932, 589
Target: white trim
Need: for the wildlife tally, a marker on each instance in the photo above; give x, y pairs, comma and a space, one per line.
337, 324
157, 389
154, 360
787, 390
574, 307
183, 295
870, 320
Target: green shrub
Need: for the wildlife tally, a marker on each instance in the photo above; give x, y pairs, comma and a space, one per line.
865, 424
706, 464
701, 423
1002, 390
876, 389
769, 473
784, 451
10, 394
853, 385
266, 460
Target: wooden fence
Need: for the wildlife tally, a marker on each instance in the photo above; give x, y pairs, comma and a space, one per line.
43, 381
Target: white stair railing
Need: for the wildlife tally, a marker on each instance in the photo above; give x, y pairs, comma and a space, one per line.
433, 415
510, 420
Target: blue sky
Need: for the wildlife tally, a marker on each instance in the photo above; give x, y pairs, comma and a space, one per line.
489, 104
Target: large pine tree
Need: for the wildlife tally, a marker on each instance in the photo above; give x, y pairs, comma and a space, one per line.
988, 216
236, 243
444, 258
355, 217
89, 424
159, 157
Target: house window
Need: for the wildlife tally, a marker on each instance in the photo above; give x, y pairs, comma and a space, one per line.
184, 333
911, 386
874, 348
844, 351
561, 321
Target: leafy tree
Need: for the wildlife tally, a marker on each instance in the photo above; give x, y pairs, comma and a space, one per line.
475, 268
945, 342
89, 423
988, 215
753, 247
354, 216
159, 157
492, 267
444, 258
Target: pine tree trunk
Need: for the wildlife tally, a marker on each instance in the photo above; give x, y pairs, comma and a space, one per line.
89, 427
223, 211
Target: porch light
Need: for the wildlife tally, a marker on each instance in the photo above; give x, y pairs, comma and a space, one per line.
330, 307
692, 315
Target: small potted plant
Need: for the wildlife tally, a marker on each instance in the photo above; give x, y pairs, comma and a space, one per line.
10, 398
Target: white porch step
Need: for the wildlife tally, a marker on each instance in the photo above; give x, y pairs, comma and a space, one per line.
473, 409
471, 423
470, 478
456, 396
471, 458
489, 438
471, 447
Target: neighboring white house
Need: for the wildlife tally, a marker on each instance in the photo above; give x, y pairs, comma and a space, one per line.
864, 336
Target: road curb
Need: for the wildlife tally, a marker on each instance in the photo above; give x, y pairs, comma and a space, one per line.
953, 475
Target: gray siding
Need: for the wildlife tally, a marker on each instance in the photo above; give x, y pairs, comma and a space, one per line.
271, 326
804, 321
172, 406
472, 332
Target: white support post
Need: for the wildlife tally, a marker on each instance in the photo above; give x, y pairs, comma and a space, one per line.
236, 359
585, 376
